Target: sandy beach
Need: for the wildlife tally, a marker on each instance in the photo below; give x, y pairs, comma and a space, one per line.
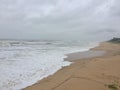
97, 69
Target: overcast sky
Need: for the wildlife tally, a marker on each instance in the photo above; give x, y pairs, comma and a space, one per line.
59, 19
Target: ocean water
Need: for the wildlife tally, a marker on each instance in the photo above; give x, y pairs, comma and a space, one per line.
23, 63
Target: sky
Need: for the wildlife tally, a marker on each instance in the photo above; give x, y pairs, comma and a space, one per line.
59, 19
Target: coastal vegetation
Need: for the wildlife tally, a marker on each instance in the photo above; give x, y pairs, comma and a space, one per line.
115, 40
114, 85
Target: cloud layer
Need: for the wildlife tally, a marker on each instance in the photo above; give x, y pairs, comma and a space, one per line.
59, 19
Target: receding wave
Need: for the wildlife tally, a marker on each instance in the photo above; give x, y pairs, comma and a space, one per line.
23, 63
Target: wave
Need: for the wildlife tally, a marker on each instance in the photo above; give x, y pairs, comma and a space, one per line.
23, 63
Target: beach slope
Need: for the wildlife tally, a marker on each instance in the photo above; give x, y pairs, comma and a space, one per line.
91, 73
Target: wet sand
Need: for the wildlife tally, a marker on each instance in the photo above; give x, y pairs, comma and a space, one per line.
84, 55
97, 69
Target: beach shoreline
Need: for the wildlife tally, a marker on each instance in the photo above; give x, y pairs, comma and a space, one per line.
86, 71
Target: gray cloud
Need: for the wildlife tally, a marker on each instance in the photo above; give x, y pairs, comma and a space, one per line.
59, 19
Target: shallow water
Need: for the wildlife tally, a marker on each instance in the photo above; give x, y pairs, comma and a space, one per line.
84, 55
23, 63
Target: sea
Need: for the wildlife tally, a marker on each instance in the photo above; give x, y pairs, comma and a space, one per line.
25, 62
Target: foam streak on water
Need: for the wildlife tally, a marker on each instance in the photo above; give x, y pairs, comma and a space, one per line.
23, 63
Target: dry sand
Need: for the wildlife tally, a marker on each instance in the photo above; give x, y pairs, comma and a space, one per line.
91, 73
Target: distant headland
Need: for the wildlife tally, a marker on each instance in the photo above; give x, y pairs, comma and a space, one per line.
115, 40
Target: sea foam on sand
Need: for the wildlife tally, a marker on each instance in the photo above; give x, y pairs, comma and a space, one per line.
23, 63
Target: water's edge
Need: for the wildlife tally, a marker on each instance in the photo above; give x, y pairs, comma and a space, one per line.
73, 54
25, 63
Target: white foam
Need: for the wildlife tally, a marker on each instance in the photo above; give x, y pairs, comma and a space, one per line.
23, 65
